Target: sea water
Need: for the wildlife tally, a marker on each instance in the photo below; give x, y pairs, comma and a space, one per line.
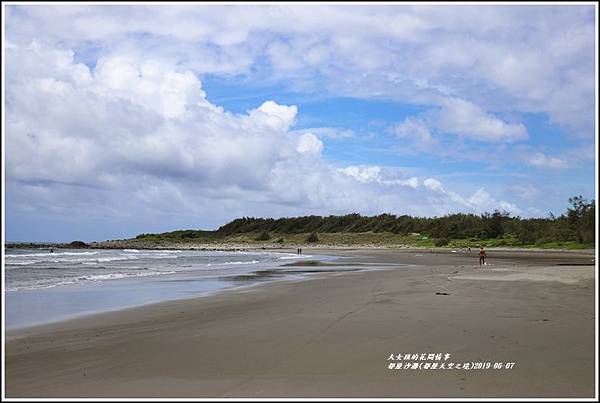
43, 286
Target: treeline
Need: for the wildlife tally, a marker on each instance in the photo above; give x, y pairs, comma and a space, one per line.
577, 224
181, 234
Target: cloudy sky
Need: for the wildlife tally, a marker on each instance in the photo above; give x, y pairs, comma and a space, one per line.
146, 118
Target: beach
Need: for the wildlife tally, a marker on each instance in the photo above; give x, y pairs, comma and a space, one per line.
338, 334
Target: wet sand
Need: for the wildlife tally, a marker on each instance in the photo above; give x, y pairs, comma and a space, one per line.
332, 335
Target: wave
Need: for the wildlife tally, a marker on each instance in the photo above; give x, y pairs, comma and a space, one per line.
294, 257
50, 254
89, 278
110, 259
22, 263
114, 276
72, 260
91, 261
233, 263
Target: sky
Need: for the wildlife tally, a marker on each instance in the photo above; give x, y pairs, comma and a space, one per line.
128, 119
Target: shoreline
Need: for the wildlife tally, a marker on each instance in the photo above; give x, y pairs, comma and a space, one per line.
299, 270
329, 336
23, 306
18, 332
257, 246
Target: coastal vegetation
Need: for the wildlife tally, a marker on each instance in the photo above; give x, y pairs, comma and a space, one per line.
574, 229
312, 238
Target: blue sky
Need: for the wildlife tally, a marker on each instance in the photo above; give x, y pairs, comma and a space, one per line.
148, 118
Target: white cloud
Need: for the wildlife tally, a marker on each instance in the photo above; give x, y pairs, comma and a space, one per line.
331, 132
414, 129
82, 131
483, 201
461, 117
278, 117
481, 198
434, 185
413, 182
363, 173
374, 173
542, 161
308, 143
510, 207
458, 130
81, 140
501, 58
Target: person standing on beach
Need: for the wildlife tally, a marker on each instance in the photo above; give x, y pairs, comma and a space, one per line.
482, 256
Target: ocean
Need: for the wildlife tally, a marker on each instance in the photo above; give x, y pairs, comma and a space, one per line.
43, 286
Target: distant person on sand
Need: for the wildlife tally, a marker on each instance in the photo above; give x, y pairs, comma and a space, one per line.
482, 256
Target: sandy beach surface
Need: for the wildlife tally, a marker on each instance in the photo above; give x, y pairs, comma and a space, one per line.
332, 335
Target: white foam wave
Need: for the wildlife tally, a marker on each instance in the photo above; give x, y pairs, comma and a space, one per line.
163, 257
90, 278
250, 262
294, 257
234, 263
110, 259
98, 260
114, 276
21, 263
86, 260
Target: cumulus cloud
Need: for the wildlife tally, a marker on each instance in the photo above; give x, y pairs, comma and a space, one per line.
460, 118
503, 58
82, 126
413, 182
308, 143
278, 117
363, 174
483, 201
374, 173
434, 185
134, 136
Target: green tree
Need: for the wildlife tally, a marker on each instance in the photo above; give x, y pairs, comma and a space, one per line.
582, 218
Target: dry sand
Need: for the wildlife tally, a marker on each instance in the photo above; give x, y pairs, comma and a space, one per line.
331, 335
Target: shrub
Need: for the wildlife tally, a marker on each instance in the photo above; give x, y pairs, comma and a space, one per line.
263, 236
441, 242
312, 238
78, 244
